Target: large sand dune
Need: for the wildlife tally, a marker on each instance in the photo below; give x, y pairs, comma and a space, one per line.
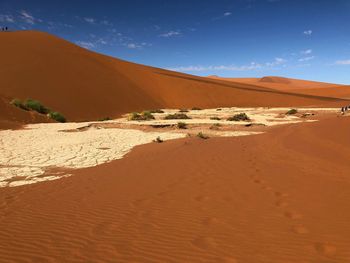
282, 196
84, 85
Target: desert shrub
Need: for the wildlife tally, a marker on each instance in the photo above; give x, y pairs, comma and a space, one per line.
215, 126
239, 117
105, 119
18, 103
196, 108
176, 116
202, 136
158, 140
182, 125
57, 116
143, 116
36, 106
183, 110
292, 112
218, 109
156, 111
215, 118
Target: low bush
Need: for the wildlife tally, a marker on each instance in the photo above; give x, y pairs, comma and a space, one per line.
156, 111
36, 106
202, 136
182, 125
158, 140
177, 116
57, 116
215, 126
196, 108
18, 103
239, 117
143, 116
215, 118
183, 110
292, 112
105, 119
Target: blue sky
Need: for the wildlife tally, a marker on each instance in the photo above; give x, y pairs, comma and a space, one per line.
307, 39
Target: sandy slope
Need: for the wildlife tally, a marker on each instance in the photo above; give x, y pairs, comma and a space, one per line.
279, 197
84, 85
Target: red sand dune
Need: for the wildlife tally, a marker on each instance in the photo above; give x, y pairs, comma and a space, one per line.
84, 85
278, 197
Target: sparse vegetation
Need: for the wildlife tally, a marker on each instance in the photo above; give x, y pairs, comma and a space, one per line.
156, 111
36, 106
56, 116
182, 125
215, 118
202, 136
292, 112
215, 126
177, 116
196, 108
105, 119
183, 110
143, 116
18, 103
239, 117
218, 109
158, 140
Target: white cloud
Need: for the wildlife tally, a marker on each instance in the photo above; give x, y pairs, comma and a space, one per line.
28, 18
133, 46
227, 13
171, 34
343, 62
86, 44
308, 32
306, 59
306, 52
90, 20
7, 18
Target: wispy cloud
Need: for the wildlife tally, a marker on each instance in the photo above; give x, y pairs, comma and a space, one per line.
28, 18
343, 62
7, 18
252, 66
89, 20
308, 32
171, 34
306, 52
306, 59
226, 14
86, 44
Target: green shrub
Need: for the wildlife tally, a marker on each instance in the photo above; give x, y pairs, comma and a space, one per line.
182, 125
158, 140
196, 108
215, 118
292, 112
239, 117
36, 106
105, 119
143, 116
202, 136
177, 116
18, 103
156, 111
56, 116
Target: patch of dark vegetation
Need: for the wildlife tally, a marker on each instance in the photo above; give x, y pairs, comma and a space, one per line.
202, 136
156, 111
161, 125
143, 116
57, 116
218, 109
105, 119
176, 116
215, 118
34, 105
196, 108
254, 124
183, 110
158, 140
181, 125
215, 126
292, 112
239, 117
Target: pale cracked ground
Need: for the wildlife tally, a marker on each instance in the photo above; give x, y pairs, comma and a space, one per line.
25, 155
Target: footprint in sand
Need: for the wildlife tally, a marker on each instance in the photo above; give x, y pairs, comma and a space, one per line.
292, 215
300, 230
204, 243
325, 249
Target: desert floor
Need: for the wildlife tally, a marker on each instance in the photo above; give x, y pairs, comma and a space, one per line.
280, 194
